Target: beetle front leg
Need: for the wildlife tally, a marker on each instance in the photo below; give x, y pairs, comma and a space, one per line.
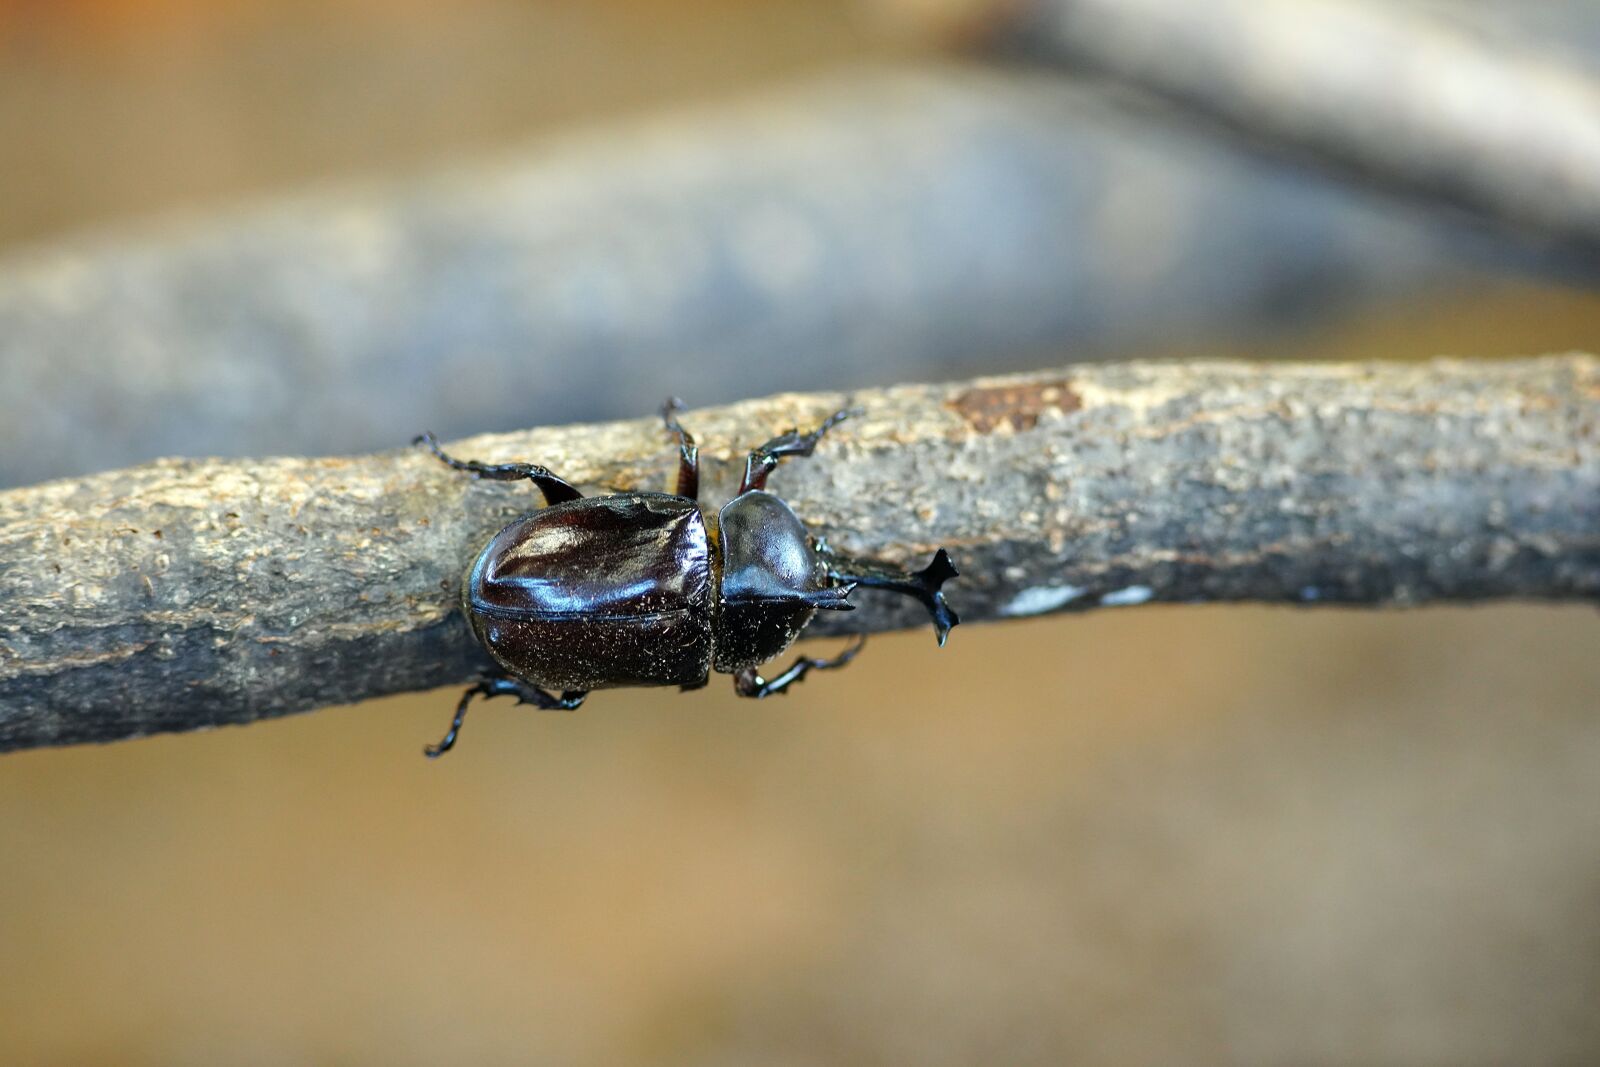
749, 683
556, 490
924, 585
764, 458
509, 687
688, 451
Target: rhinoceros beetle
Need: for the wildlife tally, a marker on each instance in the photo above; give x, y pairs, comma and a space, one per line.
646, 589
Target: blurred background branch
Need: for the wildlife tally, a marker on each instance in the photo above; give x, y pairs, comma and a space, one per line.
872, 227
218, 592
1385, 92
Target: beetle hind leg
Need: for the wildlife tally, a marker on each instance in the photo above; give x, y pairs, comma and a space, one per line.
502, 686
556, 490
923, 585
749, 683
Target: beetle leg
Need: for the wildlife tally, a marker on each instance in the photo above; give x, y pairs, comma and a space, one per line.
764, 458
749, 683
555, 490
923, 585
688, 451
497, 687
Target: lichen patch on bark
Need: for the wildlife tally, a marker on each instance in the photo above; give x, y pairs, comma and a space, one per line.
1017, 405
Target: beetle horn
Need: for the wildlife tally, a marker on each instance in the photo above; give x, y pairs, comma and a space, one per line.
833, 598
923, 585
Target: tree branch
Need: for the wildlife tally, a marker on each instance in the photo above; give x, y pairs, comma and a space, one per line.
185, 594
1494, 126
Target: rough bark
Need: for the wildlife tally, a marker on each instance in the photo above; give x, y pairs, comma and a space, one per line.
1488, 123
190, 593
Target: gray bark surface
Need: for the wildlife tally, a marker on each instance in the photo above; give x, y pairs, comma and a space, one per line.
191, 593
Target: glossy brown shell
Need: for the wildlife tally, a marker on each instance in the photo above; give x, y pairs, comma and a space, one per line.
598, 593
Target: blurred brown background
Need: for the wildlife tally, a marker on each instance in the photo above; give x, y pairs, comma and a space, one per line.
1154, 836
